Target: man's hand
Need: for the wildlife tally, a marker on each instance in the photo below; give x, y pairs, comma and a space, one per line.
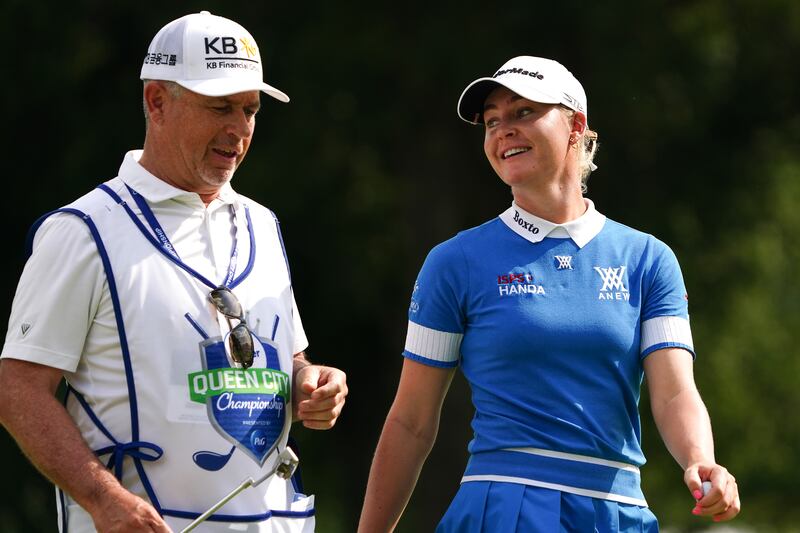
319, 394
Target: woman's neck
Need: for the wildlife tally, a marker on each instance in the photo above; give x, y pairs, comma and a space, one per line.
553, 203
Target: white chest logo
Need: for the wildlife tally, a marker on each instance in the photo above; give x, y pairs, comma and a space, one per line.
613, 284
564, 262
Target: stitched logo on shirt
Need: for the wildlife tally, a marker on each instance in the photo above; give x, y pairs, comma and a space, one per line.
613, 284
414, 306
564, 262
516, 283
25, 328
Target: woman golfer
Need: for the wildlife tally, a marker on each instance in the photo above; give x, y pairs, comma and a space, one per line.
554, 313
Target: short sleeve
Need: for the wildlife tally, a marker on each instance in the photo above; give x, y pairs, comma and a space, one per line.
300, 339
665, 308
436, 315
57, 296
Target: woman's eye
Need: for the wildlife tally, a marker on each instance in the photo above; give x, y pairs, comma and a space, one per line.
491, 122
524, 111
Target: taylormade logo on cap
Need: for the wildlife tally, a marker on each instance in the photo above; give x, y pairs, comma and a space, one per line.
209, 55
535, 78
518, 71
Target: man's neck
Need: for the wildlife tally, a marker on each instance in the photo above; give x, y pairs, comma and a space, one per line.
161, 171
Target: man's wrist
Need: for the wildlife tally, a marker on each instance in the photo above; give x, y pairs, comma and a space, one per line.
103, 486
299, 362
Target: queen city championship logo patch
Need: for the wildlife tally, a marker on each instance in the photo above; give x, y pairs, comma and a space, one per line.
247, 407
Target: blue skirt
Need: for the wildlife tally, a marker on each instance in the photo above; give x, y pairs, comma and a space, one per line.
492, 507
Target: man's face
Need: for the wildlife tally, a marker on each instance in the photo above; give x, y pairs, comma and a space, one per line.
209, 136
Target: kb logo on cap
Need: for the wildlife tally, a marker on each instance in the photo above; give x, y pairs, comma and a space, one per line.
228, 46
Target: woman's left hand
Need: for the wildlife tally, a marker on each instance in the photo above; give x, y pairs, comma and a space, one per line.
721, 501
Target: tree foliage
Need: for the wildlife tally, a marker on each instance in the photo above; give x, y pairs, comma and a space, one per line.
368, 167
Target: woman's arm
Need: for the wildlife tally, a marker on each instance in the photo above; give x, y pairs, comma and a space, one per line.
408, 436
685, 427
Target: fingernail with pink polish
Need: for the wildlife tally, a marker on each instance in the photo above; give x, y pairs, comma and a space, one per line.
697, 494
696, 510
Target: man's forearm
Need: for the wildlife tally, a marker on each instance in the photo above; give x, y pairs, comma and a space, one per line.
49, 437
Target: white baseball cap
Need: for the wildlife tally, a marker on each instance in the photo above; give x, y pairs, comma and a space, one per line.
209, 55
535, 78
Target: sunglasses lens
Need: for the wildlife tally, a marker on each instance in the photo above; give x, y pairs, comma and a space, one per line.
241, 344
240, 340
226, 302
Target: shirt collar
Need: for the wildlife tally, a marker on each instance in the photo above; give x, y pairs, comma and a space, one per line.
581, 230
155, 190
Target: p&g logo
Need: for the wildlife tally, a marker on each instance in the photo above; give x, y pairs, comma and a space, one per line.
258, 440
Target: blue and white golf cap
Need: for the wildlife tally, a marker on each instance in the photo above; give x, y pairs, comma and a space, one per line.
209, 55
535, 78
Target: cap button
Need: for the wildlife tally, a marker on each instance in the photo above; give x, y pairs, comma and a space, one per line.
205, 13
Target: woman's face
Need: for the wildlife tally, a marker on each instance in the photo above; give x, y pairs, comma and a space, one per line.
527, 143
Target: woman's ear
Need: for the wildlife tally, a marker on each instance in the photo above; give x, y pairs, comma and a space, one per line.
578, 123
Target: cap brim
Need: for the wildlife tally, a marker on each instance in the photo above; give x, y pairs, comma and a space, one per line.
470, 104
228, 86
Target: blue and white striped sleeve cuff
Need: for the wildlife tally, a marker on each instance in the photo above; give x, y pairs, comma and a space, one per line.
666, 332
431, 346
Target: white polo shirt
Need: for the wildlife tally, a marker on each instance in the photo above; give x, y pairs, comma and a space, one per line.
62, 308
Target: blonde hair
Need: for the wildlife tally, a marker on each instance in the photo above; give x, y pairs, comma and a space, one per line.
588, 148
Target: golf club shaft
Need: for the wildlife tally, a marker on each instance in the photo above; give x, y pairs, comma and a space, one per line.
202, 518
284, 468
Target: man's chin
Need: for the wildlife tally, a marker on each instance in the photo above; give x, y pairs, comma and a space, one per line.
218, 178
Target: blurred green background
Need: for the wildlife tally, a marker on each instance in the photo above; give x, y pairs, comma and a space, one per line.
368, 167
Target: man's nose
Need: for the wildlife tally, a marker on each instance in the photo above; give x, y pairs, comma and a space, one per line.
240, 126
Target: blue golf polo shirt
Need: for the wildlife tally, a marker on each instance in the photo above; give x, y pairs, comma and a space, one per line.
550, 324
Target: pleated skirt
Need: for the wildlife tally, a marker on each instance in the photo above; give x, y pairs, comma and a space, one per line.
494, 507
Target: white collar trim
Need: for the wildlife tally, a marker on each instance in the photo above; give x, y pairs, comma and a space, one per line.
155, 190
532, 228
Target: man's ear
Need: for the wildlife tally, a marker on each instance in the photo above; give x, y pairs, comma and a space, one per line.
155, 98
578, 123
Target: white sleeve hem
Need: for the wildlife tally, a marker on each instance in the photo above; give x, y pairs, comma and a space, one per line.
666, 330
42, 356
433, 344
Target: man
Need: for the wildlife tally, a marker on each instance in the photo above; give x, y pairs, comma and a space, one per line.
181, 346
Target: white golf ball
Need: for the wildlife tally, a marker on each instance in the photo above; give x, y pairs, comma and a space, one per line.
706, 487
